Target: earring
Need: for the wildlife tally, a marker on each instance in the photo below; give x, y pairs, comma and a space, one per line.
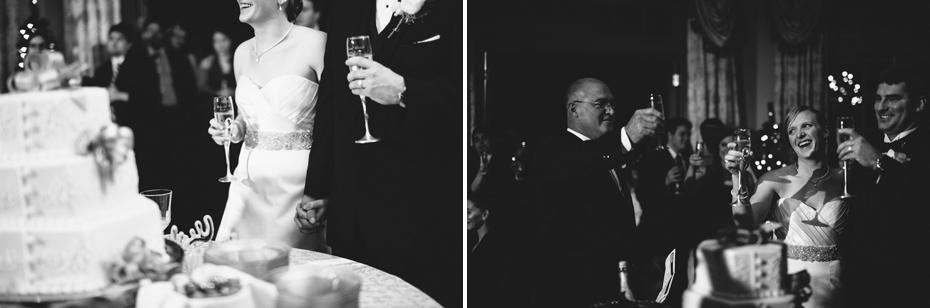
279, 6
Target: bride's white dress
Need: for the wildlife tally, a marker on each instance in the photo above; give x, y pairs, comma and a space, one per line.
273, 162
811, 237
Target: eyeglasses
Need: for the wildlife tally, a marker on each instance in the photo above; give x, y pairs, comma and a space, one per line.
600, 103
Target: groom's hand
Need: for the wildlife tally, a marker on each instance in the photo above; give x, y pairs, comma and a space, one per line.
858, 149
310, 214
375, 81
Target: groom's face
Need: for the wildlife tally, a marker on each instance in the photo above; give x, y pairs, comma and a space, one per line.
895, 108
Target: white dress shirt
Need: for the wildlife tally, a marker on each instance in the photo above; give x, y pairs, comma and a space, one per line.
384, 13
903, 134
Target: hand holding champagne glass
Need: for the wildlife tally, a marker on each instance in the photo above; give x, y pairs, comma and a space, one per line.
224, 114
360, 46
655, 101
741, 208
841, 123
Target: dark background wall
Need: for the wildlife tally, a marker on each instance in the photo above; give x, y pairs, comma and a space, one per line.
534, 49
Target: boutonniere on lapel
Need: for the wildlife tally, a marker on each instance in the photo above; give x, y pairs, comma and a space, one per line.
409, 11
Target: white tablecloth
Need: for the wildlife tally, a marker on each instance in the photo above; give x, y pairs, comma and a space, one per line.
379, 289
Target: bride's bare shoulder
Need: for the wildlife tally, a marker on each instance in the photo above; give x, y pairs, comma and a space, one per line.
308, 35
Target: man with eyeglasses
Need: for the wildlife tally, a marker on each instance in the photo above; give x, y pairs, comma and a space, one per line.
588, 224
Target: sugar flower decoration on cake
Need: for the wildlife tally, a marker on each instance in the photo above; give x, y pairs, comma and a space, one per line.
137, 263
409, 11
109, 146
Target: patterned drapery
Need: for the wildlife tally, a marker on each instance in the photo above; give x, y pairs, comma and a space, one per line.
716, 18
712, 91
799, 56
88, 23
799, 77
8, 36
796, 20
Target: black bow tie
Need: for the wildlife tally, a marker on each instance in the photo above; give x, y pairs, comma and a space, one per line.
897, 145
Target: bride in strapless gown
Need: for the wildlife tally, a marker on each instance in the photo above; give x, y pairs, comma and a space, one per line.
276, 96
812, 234
273, 161
808, 206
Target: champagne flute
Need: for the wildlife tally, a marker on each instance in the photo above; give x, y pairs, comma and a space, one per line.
360, 46
741, 207
655, 101
844, 122
743, 144
698, 163
224, 114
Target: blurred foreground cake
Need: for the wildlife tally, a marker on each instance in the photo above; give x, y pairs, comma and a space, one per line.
71, 218
743, 270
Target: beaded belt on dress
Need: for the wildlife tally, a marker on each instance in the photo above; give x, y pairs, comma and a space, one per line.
814, 253
271, 141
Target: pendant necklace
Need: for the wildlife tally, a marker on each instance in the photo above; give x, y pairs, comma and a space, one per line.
258, 56
818, 179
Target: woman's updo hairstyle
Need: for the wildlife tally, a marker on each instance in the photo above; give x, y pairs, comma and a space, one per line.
292, 8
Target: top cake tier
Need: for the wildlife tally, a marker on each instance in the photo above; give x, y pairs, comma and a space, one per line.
35, 126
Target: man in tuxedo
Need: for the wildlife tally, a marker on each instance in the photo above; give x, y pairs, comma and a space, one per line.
392, 204
890, 214
107, 73
588, 222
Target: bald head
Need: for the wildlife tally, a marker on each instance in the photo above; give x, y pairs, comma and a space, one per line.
589, 109
578, 87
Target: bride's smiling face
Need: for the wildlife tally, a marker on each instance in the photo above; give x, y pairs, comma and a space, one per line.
806, 135
254, 10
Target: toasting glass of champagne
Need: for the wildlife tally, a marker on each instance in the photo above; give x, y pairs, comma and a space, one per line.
359, 46
655, 101
224, 114
741, 206
743, 144
844, 122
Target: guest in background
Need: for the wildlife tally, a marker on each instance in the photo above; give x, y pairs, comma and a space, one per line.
309, 16
491, 260
805, 198
107, 75
710, 183
890, 211
663, 201
586, 205
482, 152
216, 76
166, 83
177, 42
38, 42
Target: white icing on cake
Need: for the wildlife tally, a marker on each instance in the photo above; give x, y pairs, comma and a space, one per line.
739, 276
62, 223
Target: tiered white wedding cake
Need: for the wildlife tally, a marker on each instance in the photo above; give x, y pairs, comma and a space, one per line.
69, 218
728, 275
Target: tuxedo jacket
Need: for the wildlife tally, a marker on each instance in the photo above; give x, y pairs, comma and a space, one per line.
662, 209
395, 194
588, 224
889, 220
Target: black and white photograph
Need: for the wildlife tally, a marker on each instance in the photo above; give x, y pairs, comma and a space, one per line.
231, 153
699, 153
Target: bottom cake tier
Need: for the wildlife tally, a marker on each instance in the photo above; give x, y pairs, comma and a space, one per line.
79, 255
